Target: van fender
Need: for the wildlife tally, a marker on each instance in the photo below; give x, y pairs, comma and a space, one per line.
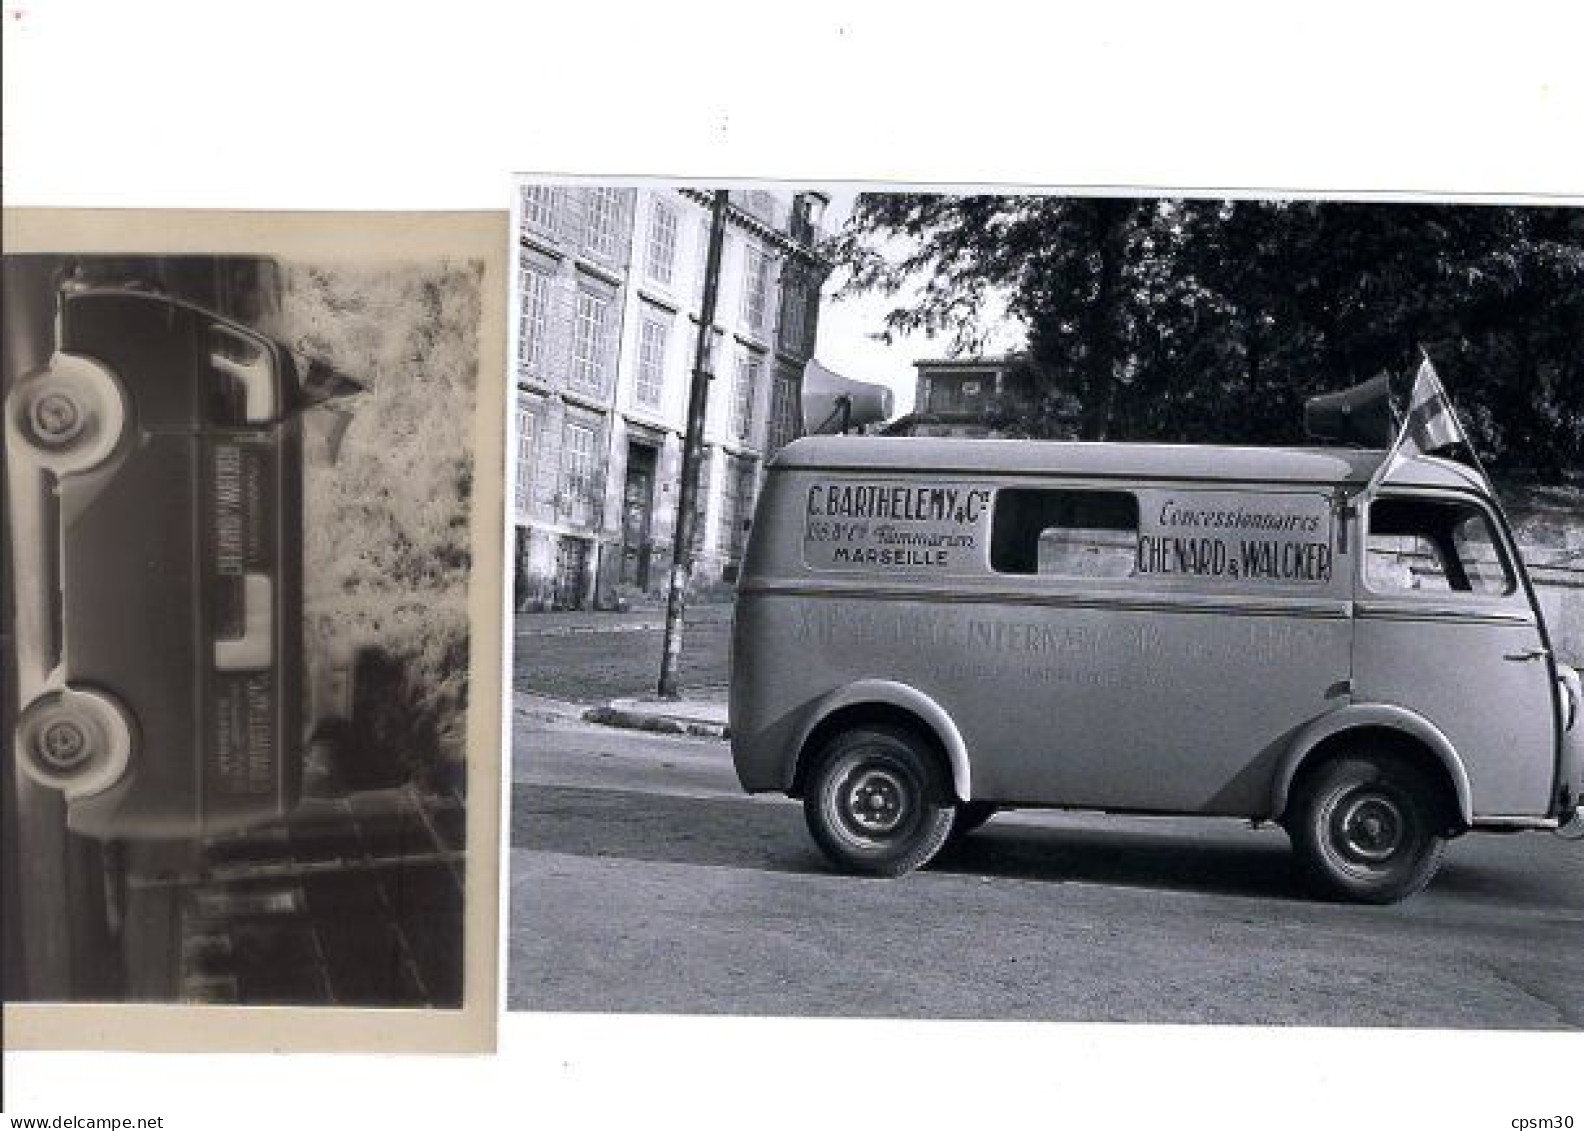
1381, 716
907, 698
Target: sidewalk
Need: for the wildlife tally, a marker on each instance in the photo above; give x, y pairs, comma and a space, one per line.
595, 658
646, 617
701, 714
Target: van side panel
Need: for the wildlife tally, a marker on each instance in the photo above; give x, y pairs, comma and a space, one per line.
1089, 707
1173, 695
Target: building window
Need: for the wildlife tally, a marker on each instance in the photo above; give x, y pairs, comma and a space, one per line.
578, 490
785, 411
794, 315
756, 288
652, 334
661, 261
749, 368
957, 392
588, 338
604, 215
1065, 533
527, 435
540, 204
535, 285
736, 507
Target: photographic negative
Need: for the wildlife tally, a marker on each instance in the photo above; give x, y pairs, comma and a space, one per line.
1170, 574
252, 549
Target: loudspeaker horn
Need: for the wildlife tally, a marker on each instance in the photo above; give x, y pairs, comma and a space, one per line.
833, 403
1360, 416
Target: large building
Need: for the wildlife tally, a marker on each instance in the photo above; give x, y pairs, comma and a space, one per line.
610, 285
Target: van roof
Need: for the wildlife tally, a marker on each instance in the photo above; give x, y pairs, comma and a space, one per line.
955, 455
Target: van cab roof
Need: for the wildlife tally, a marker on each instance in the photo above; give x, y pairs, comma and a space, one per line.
1328, 466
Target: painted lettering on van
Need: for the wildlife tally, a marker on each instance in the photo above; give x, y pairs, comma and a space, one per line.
1237, 536
896, 527
1257, 561
963, 506
1016, 648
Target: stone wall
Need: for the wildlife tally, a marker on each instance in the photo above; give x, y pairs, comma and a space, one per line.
1549, 524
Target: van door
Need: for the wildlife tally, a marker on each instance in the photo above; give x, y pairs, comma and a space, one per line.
1162, 647
1444, 629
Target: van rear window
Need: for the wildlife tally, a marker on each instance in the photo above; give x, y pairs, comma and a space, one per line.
1065, 533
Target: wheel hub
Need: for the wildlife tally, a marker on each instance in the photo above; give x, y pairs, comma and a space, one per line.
876, 801
56, 418
1372, 827
63, 744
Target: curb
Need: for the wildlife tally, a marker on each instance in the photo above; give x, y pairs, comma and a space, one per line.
656, 724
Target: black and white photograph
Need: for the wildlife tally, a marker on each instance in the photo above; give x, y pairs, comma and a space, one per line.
1025, 558
243, 534
1039, 606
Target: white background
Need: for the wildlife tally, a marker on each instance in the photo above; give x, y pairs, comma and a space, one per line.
321, 105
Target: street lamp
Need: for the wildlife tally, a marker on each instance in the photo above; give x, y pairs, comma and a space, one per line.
692, 458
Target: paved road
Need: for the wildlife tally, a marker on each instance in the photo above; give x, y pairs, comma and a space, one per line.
589, 657
643, 880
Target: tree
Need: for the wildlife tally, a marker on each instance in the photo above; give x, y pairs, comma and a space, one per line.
1212, 320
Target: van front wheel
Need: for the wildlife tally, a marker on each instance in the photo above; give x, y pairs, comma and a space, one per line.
876, 803
1365, 829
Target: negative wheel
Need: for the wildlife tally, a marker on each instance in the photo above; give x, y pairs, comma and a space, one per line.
1365, 829
70, 414
876, 802
75, 741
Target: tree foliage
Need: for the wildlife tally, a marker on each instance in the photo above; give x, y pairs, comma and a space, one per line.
1211, 320
386, 526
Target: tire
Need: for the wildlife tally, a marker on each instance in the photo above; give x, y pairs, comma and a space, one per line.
78, 742
70, 415
1366, 829
876, 802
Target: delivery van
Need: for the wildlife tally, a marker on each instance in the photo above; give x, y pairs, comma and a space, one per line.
154, 508
1343, 641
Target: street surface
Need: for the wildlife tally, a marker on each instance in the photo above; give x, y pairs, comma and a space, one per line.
644, 880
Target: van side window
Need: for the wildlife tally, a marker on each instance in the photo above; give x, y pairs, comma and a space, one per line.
1065, 533
1434, 546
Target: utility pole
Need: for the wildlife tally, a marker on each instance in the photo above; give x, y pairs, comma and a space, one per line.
692, 457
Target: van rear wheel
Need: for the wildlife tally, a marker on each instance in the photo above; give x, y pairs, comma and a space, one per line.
76, 741
1365, 829
876, 802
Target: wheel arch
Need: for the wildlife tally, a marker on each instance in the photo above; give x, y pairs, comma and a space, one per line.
886, 702
1407, 733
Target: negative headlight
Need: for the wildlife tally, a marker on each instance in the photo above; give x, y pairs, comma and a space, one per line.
1572, 695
